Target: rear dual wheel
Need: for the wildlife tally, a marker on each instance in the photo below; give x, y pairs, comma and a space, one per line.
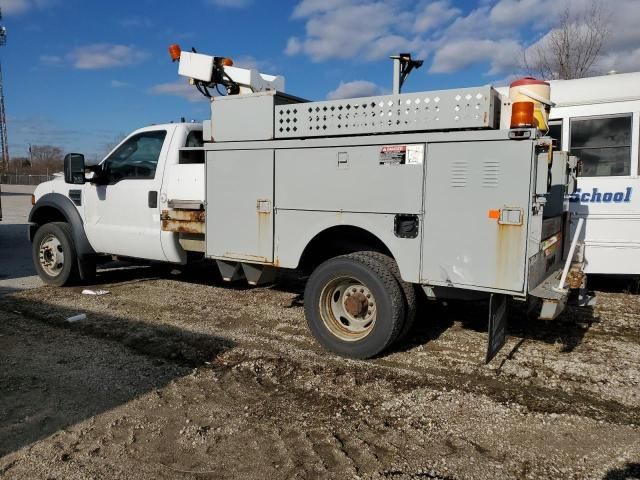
354, 305
408, 291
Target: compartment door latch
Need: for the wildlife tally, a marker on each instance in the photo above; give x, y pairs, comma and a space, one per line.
263, 206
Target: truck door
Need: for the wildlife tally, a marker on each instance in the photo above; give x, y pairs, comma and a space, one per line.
122, 214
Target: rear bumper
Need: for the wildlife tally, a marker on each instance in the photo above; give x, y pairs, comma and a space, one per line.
553, 299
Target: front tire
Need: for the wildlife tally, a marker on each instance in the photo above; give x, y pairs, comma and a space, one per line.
54, 254
354, 306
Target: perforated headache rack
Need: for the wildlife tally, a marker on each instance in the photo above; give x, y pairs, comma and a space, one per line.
466, 108
274, 115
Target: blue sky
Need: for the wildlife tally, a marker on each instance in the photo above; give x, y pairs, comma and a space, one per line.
79, 74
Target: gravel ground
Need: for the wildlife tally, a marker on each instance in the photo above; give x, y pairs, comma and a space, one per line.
181, 377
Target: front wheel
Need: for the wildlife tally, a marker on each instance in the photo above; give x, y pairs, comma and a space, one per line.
354, 306
54, 254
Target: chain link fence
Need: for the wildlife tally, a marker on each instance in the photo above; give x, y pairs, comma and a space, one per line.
23, 179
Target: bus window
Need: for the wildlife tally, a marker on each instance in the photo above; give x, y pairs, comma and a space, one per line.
603, 144
555, 131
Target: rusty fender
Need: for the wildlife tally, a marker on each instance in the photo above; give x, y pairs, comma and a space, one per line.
183, 221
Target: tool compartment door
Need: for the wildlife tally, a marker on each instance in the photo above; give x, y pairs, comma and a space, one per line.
468, 186
239, 218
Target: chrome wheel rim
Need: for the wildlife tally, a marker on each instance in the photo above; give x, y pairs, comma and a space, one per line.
348, 309
51, 255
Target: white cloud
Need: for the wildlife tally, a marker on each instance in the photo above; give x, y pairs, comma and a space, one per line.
119, 84
179, 88
105, 55
497, 34
294, 46
357, 88
231, 3
494, 33
511, 13
620, 52
50, 59
369, 29
251, 62
307, 8
17, 7
433, 15
136, 22
455, 56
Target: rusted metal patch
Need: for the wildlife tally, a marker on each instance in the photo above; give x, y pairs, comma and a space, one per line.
575, 278
509, 252
183, 221
183, 215
182, 227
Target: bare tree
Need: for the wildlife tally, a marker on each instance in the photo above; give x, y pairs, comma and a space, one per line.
573, 45
46, 158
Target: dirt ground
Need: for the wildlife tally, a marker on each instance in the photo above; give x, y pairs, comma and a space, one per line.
177, 376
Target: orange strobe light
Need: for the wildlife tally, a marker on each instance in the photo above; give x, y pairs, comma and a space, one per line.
227, 62
174, 52
522, 115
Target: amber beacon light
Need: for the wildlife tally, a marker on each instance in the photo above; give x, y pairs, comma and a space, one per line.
522, 115
174, 52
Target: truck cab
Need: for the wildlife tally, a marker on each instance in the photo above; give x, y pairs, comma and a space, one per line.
117, 211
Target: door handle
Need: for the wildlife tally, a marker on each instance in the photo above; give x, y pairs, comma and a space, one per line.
153, 199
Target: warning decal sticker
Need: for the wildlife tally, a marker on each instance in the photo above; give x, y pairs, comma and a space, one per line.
402, 154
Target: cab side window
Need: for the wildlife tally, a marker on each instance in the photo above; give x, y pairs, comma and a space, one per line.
603, 144
194, 139
137, 158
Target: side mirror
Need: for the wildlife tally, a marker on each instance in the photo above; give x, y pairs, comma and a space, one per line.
74, 168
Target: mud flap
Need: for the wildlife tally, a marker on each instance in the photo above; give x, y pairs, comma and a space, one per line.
497, 325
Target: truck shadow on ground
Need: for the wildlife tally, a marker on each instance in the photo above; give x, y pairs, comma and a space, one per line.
629, 472
567, 331
615, 283
433, 318
56, 374
15, 252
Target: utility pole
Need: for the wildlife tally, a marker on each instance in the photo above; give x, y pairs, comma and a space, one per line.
4, 146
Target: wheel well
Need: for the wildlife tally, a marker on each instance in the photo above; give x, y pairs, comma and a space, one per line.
47, 214
339, 240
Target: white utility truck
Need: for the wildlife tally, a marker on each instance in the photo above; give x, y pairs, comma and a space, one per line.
373, 197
